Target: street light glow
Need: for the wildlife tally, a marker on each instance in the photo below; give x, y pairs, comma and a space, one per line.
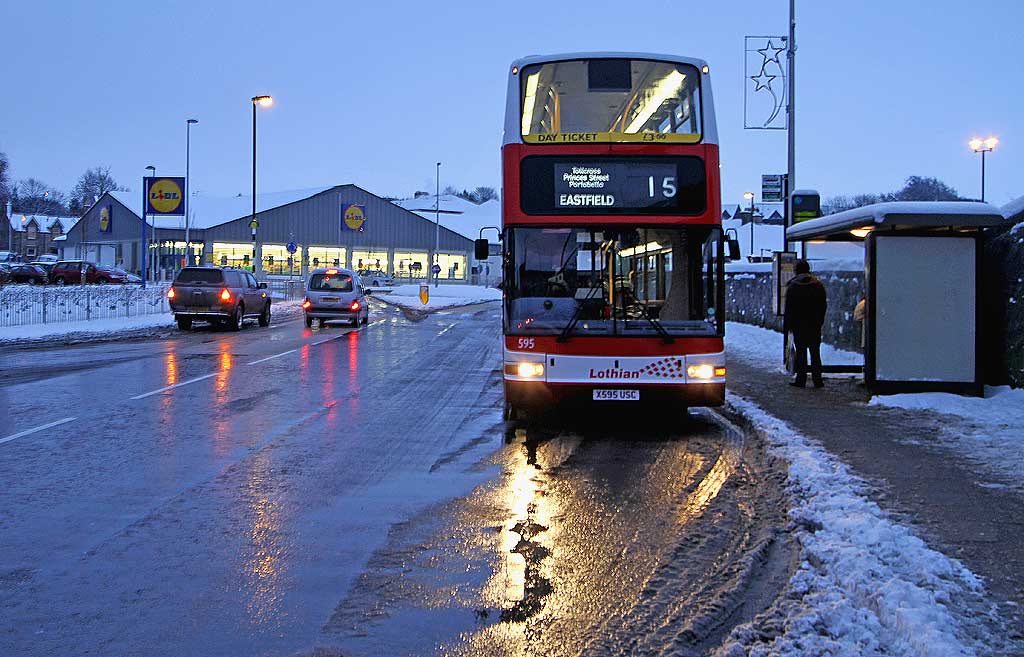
263, 101
978, 144
748, 195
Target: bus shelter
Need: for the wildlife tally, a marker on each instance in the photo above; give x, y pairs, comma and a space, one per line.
923, 270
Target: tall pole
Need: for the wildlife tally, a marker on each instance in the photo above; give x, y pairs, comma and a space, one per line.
144, 256
752, 223
10, 227
983, 176
437, 221
790, 122
188, 180
253, 222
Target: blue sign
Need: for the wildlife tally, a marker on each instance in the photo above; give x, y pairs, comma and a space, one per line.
291, 247
164, 196
436, 269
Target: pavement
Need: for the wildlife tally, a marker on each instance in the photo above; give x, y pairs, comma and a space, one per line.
951, 503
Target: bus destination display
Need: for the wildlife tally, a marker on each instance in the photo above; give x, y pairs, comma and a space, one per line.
614, 185
585, 185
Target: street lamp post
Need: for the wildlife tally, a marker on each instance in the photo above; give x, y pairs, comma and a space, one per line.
437, 223
264, 101
750, 197
983, 146
188, 143
144, 256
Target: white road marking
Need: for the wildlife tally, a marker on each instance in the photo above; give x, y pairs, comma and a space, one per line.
176, 385
448, 328
30, 431
263, 360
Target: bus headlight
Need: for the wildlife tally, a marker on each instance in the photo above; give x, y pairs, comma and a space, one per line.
527, 370
702, 371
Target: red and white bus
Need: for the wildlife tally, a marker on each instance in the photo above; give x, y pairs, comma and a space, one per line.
612, 239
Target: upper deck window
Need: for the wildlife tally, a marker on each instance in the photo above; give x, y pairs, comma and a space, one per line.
610, 100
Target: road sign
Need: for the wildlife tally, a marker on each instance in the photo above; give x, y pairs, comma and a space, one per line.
773, 188
424, 294
436, 269
291, 247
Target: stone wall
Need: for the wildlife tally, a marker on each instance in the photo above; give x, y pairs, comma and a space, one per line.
748, 299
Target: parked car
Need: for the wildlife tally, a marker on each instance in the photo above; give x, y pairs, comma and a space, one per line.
69, 272
5, 273
335, 294
9, 256
219, 296
47, 258
31, 274
376, 278
46, 265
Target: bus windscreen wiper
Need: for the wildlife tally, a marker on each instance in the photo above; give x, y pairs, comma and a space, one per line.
591, 294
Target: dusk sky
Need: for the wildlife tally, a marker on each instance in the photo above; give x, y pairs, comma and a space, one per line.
374, 93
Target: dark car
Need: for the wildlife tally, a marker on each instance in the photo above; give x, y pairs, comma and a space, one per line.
335, 294
69, 272
218, 296
31, 274
5, 273
47, 265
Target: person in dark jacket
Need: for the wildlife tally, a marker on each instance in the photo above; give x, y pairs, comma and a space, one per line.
805, 313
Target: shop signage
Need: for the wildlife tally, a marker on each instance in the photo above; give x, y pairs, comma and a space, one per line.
164, 196
354, 217
106, 221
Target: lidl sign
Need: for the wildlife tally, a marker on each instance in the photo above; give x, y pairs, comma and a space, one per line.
354, 216
165, 196
106, 220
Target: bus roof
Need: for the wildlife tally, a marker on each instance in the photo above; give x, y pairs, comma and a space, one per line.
512, 134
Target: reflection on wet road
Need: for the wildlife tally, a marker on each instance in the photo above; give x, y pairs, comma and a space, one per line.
289, 492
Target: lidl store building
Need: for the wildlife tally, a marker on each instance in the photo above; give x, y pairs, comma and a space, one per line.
377, 234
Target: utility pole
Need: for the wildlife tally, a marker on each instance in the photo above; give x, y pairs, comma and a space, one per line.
437, 224
188, 184
790, 122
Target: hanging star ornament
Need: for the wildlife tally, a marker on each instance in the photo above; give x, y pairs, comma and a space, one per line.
771, 54
762, 80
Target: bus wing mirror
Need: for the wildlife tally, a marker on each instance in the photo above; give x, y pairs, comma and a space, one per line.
732, 249
482, 249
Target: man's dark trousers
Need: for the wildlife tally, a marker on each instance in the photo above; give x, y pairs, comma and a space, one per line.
802, 347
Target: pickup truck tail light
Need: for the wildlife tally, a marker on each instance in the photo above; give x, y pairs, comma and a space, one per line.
306, 304
171, 293
225, 295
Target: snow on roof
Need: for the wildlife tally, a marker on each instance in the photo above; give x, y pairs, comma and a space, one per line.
907, 213
45, 221
457, 214
1014, 208
209, 211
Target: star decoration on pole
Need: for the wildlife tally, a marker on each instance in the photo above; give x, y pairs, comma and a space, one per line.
762, 81
771, 54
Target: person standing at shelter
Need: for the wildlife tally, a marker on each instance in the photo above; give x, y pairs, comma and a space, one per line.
805, 313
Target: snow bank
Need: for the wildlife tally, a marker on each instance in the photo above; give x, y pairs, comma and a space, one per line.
989, 430
101, 329
442, 296
763, 347
865, 585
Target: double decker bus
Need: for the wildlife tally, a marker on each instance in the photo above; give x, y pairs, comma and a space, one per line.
612, 240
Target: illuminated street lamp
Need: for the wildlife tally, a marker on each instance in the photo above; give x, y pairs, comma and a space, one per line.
750, 197
262, 101
188, 183
983, 146
144, 256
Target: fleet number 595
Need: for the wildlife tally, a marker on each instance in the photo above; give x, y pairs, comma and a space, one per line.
526, 343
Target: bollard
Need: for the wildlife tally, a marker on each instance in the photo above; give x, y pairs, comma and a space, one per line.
316, 324
88, 304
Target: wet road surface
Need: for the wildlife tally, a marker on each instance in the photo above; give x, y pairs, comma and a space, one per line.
283, 491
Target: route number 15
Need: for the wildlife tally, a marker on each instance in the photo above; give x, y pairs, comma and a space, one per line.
668, 186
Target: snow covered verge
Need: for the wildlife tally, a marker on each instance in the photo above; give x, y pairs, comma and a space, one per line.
763, 347
442, 296
109, 329
987, 430
865, 585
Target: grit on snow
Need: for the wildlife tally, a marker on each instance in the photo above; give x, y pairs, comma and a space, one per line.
441, 296
865, 585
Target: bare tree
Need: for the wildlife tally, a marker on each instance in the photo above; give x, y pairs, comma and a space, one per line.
33, 196
91, 185
5, 183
